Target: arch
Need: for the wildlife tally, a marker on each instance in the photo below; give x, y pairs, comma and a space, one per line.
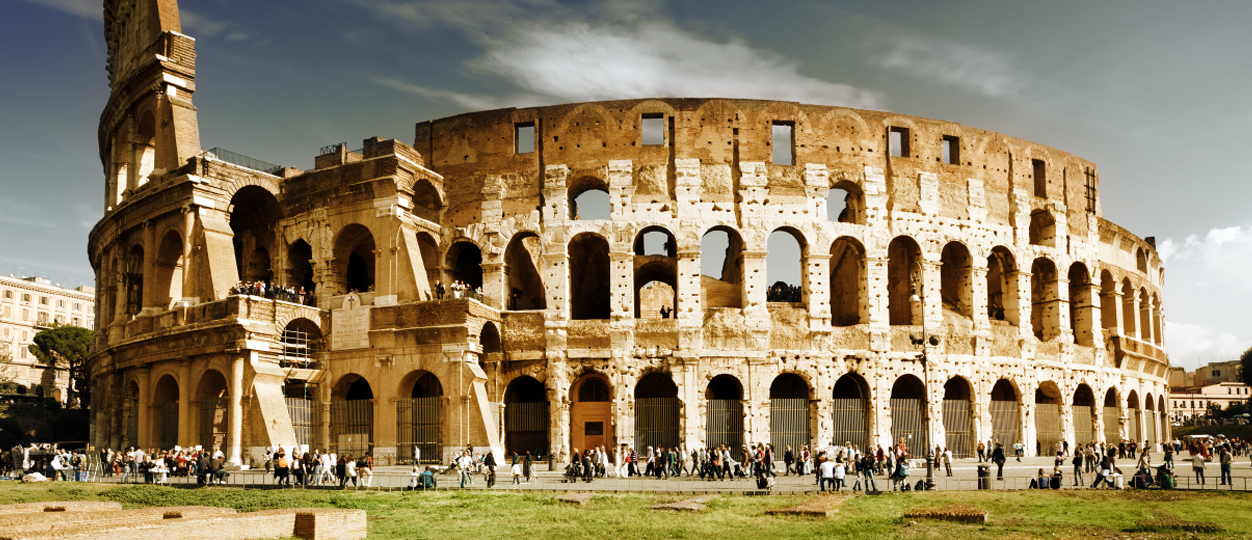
1141, 260
1080, 306
1005, 408
1042, 228
1158, 318
254, 214
165, 412
1134, 417
302, 341
589, 199
427, 201
721, 268
1049, 431
353, 387
1044, 318
428, 247
724, 406
789, 412
656, 298
589, 277
845, 203
655, 240
419, 418
352, 415
908, 414
657, 411
958, 417
526, 416
656, 273
168, 269
956, 284
1150, 421
489, 338
904, 280
145, 147
784, 267
1108, 302
464, 263
300, 267
134, 280
1084, 417
593, 390
355, 255
1129, 328
1145, 315
1112, 416
213, 400
591, 420
1002, 293
847, 282
522, 260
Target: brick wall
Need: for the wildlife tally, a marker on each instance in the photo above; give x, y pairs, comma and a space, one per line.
183, 523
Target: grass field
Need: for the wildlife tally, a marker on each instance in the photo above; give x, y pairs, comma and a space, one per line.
452, 515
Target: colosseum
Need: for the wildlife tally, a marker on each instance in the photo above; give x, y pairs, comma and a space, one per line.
552, 278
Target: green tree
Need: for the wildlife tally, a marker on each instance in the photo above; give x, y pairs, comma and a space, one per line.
6, 383
1245, 365
66, 346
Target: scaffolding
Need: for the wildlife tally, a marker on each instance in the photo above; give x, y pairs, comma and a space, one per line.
299, 349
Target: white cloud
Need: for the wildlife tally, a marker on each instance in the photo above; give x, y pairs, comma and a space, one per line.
470, 101
989, 73
1221, 258
1191, 345
91, 9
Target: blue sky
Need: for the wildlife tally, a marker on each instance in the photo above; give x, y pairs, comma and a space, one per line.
1153, 92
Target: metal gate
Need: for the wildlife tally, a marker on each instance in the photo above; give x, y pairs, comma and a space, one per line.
1112, 428
908, 422
1132, 432
306, 419
132, 425
788, 423
526, 428
419, 424
1151, 428
1084, 425
956, 425
849, 423
1006, 424
352, 426
724, 423
213, 416
656, 422
169, 425
1048, 430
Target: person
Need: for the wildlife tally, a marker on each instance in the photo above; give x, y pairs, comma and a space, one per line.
826, 470
415, 476
1078, 464
1018, 449
463, 467
997, 456
867, 472
281, 469
1197, 465
349, 471
840, 473
1169, 455
982, 451
517, 473
947, 461
1225, 459
428, 479
365, 468
490, 462
526, 467
1040, 481
789, 459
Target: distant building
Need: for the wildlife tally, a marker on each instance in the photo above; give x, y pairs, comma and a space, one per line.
1193, 401
27, 306
1217, 372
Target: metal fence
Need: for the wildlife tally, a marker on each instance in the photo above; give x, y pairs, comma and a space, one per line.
1132, 430
656, 422
169, 424
1084, 425
213, 418
908, 422
1006, 423
419, 425
849, 422
956, 426
1112, 432
1150, 419
724, 423
132, 425
1048, 429
306, 419
526, 427
352, 426
788, 423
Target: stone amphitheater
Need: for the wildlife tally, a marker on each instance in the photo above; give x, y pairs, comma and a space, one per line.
932, 282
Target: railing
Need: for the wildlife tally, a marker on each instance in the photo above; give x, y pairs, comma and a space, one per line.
241, 160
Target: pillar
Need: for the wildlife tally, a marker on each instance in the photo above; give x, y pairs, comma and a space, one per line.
234, 434
184, 403
145, 398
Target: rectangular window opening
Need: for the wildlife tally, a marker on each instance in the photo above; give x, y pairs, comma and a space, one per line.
784, 143
898, 140
653, 129
594, 428
1040, 173
1089, 173
524, 137
951, 150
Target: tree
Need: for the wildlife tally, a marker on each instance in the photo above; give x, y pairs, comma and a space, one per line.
6, 383
1245, 367
66, 346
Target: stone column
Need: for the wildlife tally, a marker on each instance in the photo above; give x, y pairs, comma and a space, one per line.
149, 266
234, 434
622, 284
817, 289
184, 403
495, 290
145, 400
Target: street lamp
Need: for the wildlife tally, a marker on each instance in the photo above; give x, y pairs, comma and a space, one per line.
919, 296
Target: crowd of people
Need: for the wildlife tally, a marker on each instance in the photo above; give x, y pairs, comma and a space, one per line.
467, 463
317, 468
783, 292
458, 289
295, 295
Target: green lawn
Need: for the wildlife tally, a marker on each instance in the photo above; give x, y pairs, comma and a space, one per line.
502, 514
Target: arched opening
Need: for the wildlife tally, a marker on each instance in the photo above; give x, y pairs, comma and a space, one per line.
1108, 303
1141, 260
427, 203
1049, 431
784, 267
214, 402
165, 404
1134, 417
657, 410
1042, 228
352, 415
419, 417
958, 417
254, 213
302, 341
130, 412
904, 279
908, 415
465, 262
1084, 415
655, 241
1157, 321
1044, 317
656, 274
589, 199
1080, 307
134, 280
1145, 316
300, 269
522, 260
844, 203
1149, 422
169, 269
724, 408
526, 417
429, 249
1163, 417
721, 268
145, 147
1006, 419
354, 259
591, 424
655, 300
847, 282
589, 277
1128, 310
850, 411
789, 412
1002, 295
956, 284
489, 339
1112, 417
